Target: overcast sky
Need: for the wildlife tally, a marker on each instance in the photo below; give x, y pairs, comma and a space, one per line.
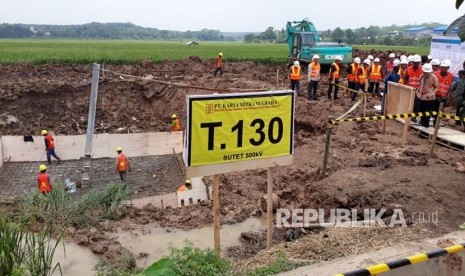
229, 15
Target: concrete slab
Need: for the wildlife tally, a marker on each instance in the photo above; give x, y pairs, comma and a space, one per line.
346, 264
150, 175
196, 195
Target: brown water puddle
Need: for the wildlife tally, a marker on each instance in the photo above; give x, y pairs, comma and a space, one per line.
75, 260
156, 242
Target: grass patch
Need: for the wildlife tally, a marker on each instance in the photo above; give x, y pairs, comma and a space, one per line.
281, 264
26, 253
61, 208
37, 51
190, 261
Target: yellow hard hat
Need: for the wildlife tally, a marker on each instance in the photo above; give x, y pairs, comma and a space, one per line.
42, 168
119, 149
188, 181
220, 54
174, 116
44, 131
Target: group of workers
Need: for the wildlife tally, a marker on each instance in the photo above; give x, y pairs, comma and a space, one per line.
122, 162
430, 77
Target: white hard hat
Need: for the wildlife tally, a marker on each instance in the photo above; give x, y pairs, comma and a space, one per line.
357, 60
367, 61
430, 57
296, 63
416, 58
377, 60
396, 62
435, 61
446, 63
427, 68
410, 58
370, 57
404, 61
338, 58
392, 55
403, 57
315, 57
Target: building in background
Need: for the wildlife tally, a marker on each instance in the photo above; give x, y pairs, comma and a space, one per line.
440, 30
417, 32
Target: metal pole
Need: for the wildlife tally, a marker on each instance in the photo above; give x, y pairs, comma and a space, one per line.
92, 110
436, 129
328, 141
269, 209
216, 215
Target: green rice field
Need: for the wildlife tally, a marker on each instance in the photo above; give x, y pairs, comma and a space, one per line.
38, 51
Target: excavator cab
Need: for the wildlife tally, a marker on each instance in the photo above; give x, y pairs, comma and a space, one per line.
304, 42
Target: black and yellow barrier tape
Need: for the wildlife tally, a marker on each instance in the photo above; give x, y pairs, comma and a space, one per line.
397, 116
418, 258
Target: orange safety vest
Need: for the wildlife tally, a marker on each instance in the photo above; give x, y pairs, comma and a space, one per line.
414, 76
175, 126
44, 183
444, 83
314, 70
50, 141
295, 73
182, 188
389, 65
122, 162
219, 62
375, 73
353, 77
336, 72
401, 74
363, 77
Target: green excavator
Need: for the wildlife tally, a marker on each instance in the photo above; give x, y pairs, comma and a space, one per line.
304, 42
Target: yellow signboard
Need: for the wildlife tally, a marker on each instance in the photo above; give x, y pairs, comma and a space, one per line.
226, 128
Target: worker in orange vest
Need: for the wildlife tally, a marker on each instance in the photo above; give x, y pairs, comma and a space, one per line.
219, 65
122, 164
362, 76
445, 79
375, 75
50, 146
43, 180
314, 69
390, 63
412, 78
295, 75
334, 74
175, 125
352, 77
402, 69
186, 186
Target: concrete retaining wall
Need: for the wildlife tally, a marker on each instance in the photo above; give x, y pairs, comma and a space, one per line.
450, 265
14, 149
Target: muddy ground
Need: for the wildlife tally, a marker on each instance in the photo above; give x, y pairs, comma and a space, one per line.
366, 169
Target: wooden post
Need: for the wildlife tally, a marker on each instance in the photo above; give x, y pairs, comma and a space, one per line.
386, 99
365, 98
436, 129
328, 141
216, 214
269, 209
277, 78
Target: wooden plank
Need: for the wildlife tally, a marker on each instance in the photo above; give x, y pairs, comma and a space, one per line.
199, 171
216, 215
1, 154
162, 143
71, 147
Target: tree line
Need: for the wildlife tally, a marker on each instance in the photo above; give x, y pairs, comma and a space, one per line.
109, 31
387, 35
